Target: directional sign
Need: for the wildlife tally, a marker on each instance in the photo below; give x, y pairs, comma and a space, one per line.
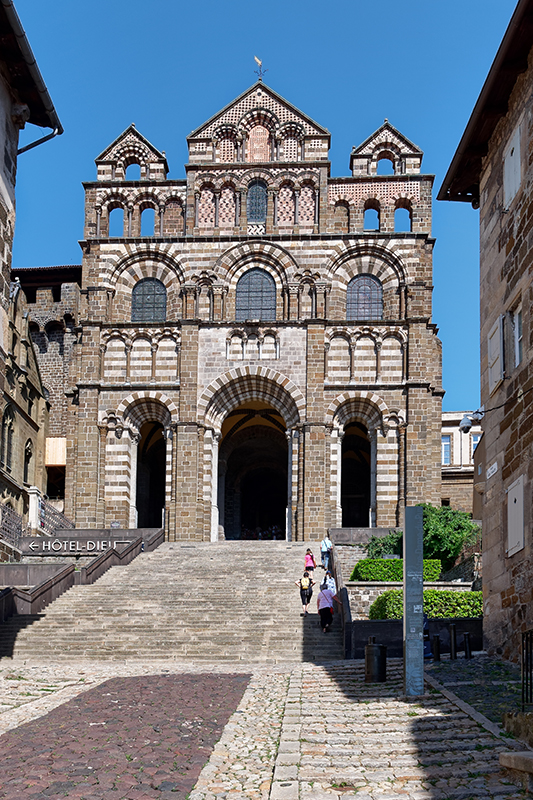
66, 546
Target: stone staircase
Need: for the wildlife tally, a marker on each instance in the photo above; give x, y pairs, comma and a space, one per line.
211, 602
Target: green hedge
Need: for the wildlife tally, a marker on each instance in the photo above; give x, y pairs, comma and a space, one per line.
391, 569
438, 604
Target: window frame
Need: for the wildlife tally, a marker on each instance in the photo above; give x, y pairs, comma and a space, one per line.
354, 304
139, 307
247, 310
443, 445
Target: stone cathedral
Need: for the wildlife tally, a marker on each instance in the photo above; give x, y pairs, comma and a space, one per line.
248, 351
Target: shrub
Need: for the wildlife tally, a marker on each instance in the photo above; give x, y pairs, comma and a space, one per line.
385, 569
441, 604
446, 533
389, 545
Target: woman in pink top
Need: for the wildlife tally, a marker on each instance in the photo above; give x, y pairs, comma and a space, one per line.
310, 562
324, 603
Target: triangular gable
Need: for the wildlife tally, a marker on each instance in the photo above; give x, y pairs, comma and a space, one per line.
387, 134
258, 96
129, 136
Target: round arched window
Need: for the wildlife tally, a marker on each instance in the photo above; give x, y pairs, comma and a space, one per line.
256, 206
364, 298
149, 301
256, 296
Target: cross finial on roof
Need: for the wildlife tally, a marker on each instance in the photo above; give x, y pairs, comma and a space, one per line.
259, 72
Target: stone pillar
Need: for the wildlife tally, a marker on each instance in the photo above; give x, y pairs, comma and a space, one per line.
214, 486
34, 517
288, 515
222, 469
373, 438
98, 221
161, 219
400, 508
135, 438
153, 349
338, 497
170, 459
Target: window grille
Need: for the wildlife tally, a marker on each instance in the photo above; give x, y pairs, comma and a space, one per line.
256, 206
364, 298
256, 296
149, 301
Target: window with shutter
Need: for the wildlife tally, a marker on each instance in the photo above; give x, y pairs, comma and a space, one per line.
515, 516
511, 169
495, 354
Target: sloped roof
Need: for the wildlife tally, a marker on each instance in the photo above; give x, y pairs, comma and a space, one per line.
259, 95
131, 132
386, 134
24, 74
462, 179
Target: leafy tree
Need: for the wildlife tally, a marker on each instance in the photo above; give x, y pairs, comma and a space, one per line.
446, 533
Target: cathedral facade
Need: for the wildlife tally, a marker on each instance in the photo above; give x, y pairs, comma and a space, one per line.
247, 352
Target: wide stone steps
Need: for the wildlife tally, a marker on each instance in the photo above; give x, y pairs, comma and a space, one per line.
206, 601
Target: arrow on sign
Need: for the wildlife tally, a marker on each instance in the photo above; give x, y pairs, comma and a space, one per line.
33, 546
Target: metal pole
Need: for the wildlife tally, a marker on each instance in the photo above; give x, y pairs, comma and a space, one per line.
413, 603
468, 649
453, 642
436, 647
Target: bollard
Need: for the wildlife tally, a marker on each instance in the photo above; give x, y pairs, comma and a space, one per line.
436, 647
375, 662
468, 649
453, 642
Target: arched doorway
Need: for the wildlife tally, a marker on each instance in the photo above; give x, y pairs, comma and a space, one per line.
355, 476
253, 466
151, 475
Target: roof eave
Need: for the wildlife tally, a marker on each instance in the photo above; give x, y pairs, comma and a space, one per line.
461, 183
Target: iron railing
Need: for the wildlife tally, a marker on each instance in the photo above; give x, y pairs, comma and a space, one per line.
50, 519
11, 525
527, 668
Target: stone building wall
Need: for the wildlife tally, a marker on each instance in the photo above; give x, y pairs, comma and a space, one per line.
506, 376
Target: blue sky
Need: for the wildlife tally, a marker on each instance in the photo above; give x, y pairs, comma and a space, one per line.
168, 65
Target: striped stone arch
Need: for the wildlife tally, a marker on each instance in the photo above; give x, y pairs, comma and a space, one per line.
373, 259
367, 407
149, 262
259, 116
241, 257
147, 406
245, 384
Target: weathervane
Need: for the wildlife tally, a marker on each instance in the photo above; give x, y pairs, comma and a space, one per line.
260, 72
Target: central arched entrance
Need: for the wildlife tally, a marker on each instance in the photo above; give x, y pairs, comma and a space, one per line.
253, 467
355, 477
151, 476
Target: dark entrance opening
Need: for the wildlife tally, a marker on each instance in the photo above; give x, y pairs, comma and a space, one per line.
355, 477
151, 475
253, 474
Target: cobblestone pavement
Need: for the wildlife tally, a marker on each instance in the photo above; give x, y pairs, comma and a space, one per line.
301, 732
488, 684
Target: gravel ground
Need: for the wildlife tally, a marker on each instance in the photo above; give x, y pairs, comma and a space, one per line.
488, 684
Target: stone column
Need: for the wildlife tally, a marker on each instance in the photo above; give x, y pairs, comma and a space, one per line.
222, 469
338, 435
161, 219
128, 346
153, 349
98, 221
373, 438
170, 459
288, 515
214, 486
135, 438
400, 509
196, 208
130, 220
